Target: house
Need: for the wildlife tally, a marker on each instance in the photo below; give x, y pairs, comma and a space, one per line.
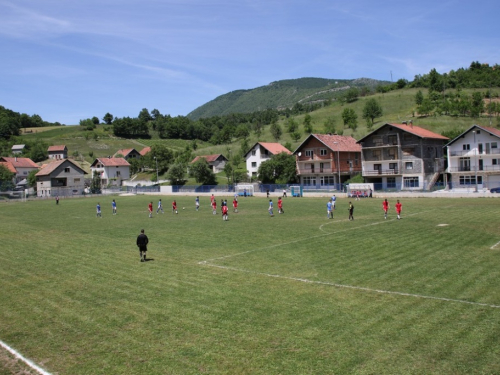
145, 151
58, 152
217, 162
63, 177
23, 166
10, 168
127, 153
260, 152
474, 158
326, 159
401, 156
17, 149
112, 170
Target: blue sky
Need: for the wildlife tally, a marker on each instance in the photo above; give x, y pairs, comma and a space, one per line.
71, 60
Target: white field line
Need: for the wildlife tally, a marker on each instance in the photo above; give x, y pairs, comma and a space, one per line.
209, 263
24, 359
495, 245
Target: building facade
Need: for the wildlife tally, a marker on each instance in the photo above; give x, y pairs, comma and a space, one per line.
22, 166
474, 159
261, 152
113, 171
217, 162
58, 152
60, 178
327, 160
402, 157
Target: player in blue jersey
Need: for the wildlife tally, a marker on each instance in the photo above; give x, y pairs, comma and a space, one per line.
270, 209
329, 214
98, 210
113, 205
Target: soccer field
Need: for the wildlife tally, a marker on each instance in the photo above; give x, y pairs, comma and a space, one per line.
291, 294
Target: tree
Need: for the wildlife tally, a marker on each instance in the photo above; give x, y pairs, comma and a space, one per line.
350, 118
176, 174
95, 185
144, 116
329, 125
108, 118
38, 151
281, 168
6, 177
88, 124
295, 135
419, 97
372, 110
308, 128
32, 179
164, 157
202, 173
351, 95
276, 131
95, 120
426, 107
291, 125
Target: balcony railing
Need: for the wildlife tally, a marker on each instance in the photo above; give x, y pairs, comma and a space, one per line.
484, 168
380, 172
471, 153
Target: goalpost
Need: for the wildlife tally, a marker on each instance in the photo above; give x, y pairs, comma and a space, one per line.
244, 190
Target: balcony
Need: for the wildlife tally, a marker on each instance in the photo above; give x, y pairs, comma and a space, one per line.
470, 153
380, 172
484, 168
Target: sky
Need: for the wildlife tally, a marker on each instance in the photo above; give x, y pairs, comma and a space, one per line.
72, 60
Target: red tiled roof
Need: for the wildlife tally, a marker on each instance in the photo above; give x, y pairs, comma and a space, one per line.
20, 162
47, 169
56, 148
124, 151
112, 162
9, 166
491, 130
208, 158
418, 131
275, 148
339, 142
145, 150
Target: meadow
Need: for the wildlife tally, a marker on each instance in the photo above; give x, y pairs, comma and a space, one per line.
291, 294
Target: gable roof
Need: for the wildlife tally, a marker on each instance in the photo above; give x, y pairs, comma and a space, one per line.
208, 158
57, 148
20, 162
412, 129
47, 169
334, 142
17, 147
488, 129
273, 148
145, 150
125, 151
111, 162
9, 166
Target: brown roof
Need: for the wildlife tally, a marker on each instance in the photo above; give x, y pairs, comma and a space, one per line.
494, 131
418, 131
20, 162
338, 142
57, 148
47, 169
9, 166
208, 158
111, 162
125, 151
145, 150
274, 148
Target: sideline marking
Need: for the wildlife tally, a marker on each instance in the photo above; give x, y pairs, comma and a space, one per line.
366, 289
495, 245
24, 359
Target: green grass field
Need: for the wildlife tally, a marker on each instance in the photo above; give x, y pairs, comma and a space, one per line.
292, 294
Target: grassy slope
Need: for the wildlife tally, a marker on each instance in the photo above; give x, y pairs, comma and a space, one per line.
76, 299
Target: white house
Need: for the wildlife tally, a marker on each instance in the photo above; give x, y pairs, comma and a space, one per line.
112, 170
260, 152
58, 152
474, 159
22, 166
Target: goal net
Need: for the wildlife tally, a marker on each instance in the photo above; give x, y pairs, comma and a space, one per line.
244, 190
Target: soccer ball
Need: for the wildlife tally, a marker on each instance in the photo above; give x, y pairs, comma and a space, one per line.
183, 208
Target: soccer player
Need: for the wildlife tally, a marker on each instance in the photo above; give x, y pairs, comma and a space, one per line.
57, 200
329, 214
212, 198
214, 206
385, 206
280, 206
160, 207
334, 201
113, 205
197, 203
235, 205
174, 207
224, 212
284, 193
142, 244
270, 209
98, 210
351, 211
150, 209
398, 206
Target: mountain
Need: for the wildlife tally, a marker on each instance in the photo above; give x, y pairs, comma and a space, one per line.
280, 94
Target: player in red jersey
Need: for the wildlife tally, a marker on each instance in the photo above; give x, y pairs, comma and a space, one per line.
280, 206
214, 206
174, 207
150, 209
399, 207
224, 212
235, 205
385, 206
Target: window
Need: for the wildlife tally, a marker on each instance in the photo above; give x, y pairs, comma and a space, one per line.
466, 147
321, 166
495, 161
377, 167
470, 180
254, 164
309, 153
377, 140
118, 174
464, 164
393, 165
312, 168
409, 165
254, 152
391, 182
392, 153
393, 140
323, 152
410, 182
376, 154
309, 180
76, 180
494, 145
66, 170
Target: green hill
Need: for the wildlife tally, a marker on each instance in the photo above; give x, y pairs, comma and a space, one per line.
279, 95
